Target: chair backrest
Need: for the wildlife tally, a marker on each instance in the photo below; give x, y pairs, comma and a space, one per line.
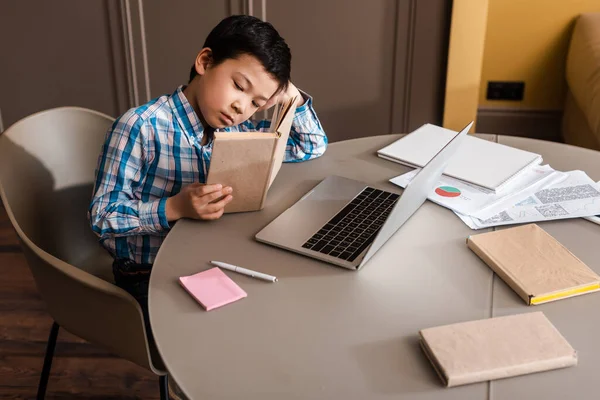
47, 171
581, 117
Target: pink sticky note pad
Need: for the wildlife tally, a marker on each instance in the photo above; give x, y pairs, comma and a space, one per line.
212, 288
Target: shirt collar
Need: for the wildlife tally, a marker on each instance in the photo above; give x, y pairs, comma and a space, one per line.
185, 114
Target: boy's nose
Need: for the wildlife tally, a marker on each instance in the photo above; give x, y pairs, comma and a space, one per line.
238, 108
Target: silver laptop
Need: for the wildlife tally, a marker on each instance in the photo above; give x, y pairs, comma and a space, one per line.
344, 222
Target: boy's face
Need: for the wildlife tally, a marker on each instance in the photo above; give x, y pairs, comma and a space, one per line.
229, 93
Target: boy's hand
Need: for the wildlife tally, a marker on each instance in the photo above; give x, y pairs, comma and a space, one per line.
282, 97
198, 201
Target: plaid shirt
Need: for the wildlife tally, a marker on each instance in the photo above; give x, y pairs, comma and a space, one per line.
150, 153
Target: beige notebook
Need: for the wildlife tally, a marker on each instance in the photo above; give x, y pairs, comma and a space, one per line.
250, 161
495, 348
534, 264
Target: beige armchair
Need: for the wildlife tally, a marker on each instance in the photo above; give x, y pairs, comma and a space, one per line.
581, 118
47, 163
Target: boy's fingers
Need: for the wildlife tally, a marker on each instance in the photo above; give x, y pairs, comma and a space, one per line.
209, 198
215, 215
205, 189
219, 205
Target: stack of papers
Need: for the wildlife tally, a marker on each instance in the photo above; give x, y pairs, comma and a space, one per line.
539, 194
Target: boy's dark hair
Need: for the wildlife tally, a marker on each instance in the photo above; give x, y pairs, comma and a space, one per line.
243, 34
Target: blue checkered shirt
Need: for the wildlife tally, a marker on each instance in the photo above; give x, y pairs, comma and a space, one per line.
150, 153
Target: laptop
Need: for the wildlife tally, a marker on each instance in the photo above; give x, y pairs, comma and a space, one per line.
345, 222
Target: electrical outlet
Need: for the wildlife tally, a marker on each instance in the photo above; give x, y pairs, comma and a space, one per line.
505, 90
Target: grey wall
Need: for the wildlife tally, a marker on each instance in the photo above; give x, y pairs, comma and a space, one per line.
373, 67
59, 53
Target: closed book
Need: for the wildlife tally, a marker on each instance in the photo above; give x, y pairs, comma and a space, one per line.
480, 162
496, 348
534, 264
250, 161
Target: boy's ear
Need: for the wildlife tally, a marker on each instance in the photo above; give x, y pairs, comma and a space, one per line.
203, 60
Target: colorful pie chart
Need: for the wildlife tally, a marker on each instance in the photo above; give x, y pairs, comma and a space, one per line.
447, 191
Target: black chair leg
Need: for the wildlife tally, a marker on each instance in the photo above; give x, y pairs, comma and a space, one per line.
47, 361
163, 382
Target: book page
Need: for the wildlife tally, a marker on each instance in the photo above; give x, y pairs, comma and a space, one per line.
275, 118
283, 131
283, 112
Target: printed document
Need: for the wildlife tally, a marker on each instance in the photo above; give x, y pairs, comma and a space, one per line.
576, 196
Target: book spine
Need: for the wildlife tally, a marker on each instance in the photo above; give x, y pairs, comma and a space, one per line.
434, 361
397, 160
501, 272
516, 370
270, 174
563, 294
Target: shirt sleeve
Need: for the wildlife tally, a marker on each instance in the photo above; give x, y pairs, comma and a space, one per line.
307, 138
116, 210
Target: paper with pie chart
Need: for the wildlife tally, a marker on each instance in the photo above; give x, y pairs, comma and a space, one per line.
467, 199
447, 191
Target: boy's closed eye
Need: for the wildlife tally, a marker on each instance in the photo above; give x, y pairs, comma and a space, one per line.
241, 89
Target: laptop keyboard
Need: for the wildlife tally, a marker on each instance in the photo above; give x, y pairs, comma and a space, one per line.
354, 228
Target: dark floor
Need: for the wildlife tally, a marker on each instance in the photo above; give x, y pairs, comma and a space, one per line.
80, 370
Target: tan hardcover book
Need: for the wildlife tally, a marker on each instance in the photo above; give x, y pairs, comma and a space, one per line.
496, 348
534, 264
250, 161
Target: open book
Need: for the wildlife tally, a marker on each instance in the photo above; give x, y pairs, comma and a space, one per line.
250, 161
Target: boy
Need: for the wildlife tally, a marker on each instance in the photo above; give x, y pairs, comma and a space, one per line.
155, 160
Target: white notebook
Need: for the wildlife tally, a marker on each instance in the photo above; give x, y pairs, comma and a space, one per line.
477, 161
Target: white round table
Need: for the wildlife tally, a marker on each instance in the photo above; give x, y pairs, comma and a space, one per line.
324, 332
